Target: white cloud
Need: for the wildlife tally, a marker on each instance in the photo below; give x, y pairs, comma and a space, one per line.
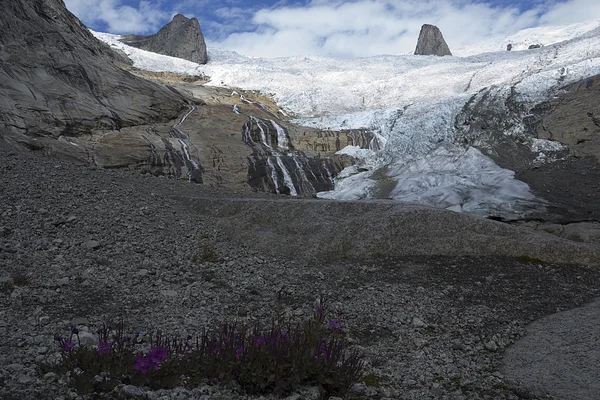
571, 11
370, 27
338, 28
146, 18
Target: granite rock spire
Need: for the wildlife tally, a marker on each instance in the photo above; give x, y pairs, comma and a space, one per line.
431, 42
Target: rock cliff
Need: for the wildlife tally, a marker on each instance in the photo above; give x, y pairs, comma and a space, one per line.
181, 38
431, 42
59, 81
567, 172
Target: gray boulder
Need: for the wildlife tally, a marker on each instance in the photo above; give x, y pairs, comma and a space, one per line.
431, 42
180, 38
58, 80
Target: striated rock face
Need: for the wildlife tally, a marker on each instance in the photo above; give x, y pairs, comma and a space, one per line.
58, 80
180, 38
275, 166
431, 42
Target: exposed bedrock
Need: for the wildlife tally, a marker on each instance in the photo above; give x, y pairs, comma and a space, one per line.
276, 166
314, 228
181, 38
431, 42
58, 80
564, 169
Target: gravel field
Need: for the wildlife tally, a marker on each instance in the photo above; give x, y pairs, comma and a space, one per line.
83, 246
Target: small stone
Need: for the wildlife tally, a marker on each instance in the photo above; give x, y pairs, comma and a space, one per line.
63, 281
358, 388
491, 346
132, 392
77, 321
411, 382
24, 379
169, 293
142, 272
50, 377
88, 339
15, 367
418, 322
92, 245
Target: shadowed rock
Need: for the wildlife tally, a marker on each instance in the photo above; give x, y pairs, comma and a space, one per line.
58, 80
180, 38
431, 42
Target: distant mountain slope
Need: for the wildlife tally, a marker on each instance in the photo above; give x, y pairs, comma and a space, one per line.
57, 79
521, 40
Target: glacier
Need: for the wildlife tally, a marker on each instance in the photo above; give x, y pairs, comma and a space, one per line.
410, 103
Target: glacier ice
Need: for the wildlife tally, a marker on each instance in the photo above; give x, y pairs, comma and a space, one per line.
410, 103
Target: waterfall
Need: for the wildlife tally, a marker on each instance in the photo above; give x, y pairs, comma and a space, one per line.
287, 178
273, 171
282, 137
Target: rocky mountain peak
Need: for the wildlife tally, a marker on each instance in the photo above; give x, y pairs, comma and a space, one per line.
59, 80
182, 38
431, 42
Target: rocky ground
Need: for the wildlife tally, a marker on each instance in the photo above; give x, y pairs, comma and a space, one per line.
79, 245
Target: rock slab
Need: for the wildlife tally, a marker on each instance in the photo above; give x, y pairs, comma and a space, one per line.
560, 356
431, 42
180, 38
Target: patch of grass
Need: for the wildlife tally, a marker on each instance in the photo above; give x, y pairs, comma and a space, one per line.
371, 380
206, 252
20, 279
530, 260
276, 360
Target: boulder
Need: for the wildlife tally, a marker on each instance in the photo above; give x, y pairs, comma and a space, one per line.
59, 80
180, 38
431, 42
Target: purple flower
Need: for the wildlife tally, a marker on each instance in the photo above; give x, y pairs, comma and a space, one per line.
336, 325
157, 355
126, 339
74, 330
68, 346
141, 365
58, 338
104, 347
258, 340
320, 311
151, 360
239, 352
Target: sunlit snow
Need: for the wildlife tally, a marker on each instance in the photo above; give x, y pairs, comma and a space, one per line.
410, 102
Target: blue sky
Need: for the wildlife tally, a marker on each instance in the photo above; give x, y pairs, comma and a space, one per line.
332, 27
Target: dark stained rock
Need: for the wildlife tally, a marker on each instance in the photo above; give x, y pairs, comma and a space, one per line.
535, 46
572, 118
431, 42
180, 38
276, 167
509, 47
570, 178
58, 80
